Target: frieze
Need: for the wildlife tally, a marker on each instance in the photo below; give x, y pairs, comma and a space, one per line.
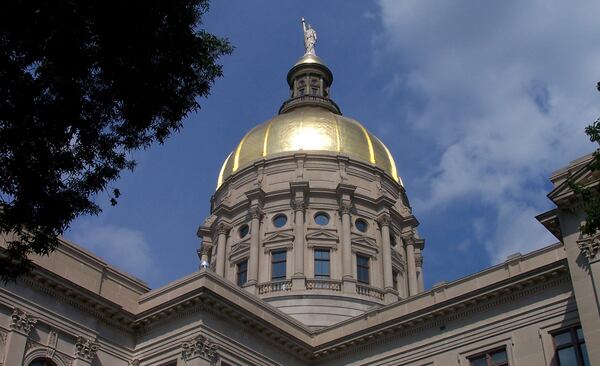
85, 349
590, 246
200, 346
22, 322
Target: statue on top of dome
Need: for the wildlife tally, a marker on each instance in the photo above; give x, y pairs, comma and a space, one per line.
310, 38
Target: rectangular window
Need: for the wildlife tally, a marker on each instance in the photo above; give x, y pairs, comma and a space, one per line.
321, 263
496, 357
278, 265
395, 280
242, 273
362, 268
570, 347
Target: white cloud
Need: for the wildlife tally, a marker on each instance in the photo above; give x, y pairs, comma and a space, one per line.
505, 90
121, 247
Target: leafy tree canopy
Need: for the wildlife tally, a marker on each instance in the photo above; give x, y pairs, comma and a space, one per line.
591, 196
82, 85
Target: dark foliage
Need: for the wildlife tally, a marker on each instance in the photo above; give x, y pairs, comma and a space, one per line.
83, 84
591, 196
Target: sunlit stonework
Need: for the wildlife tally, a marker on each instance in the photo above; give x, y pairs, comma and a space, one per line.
311, 256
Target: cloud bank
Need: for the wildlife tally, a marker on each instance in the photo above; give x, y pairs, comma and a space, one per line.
121, 247
504, 90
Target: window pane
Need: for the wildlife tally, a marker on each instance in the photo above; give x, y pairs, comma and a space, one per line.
322, 254
584, 354
278, 256
280, 220
321, 218
562, 338
567, 357
499, 357
278, 270
580, 334
362, 261
480, 361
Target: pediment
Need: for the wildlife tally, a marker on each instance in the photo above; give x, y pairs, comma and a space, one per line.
278, 237
322, 235
239, 249
583, 177
365, 245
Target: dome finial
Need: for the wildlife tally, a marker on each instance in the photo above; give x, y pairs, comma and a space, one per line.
310, 38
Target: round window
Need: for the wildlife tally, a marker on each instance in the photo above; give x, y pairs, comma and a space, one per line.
244, 230
279, 220
321, 218
361, 225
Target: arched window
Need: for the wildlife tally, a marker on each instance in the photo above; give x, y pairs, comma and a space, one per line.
42, 362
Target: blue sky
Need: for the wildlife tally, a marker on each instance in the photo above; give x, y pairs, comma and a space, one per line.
478, 102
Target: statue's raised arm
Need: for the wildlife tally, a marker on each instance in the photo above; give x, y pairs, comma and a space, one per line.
310, 38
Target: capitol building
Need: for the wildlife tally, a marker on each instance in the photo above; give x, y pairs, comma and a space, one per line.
311, 255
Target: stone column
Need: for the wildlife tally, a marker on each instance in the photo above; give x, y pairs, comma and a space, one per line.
21, 324
85, 351
222, 231
409, 241
298, 277
199, 351
419, 270
388, 281
299, 192
346, 237
253, 262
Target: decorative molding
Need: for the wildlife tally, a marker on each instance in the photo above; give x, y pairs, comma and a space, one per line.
134, 362
590, 246
51, 344
3, 336
200, 346
85, 349
22, 322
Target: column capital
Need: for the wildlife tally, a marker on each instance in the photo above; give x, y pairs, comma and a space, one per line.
201, 347
134, 362
384, 219
205, 249
22, 322
345, 207
298, 204
589, 245
419, 259
255, 212
223, 228
85, 349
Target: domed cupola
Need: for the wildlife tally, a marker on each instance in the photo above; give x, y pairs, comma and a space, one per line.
309, 121
310, 213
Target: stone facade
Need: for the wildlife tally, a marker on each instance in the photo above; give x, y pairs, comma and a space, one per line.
312, 257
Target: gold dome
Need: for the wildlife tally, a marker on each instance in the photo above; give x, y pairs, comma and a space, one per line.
309, 128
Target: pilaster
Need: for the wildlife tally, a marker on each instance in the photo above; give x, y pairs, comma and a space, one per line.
21, 325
